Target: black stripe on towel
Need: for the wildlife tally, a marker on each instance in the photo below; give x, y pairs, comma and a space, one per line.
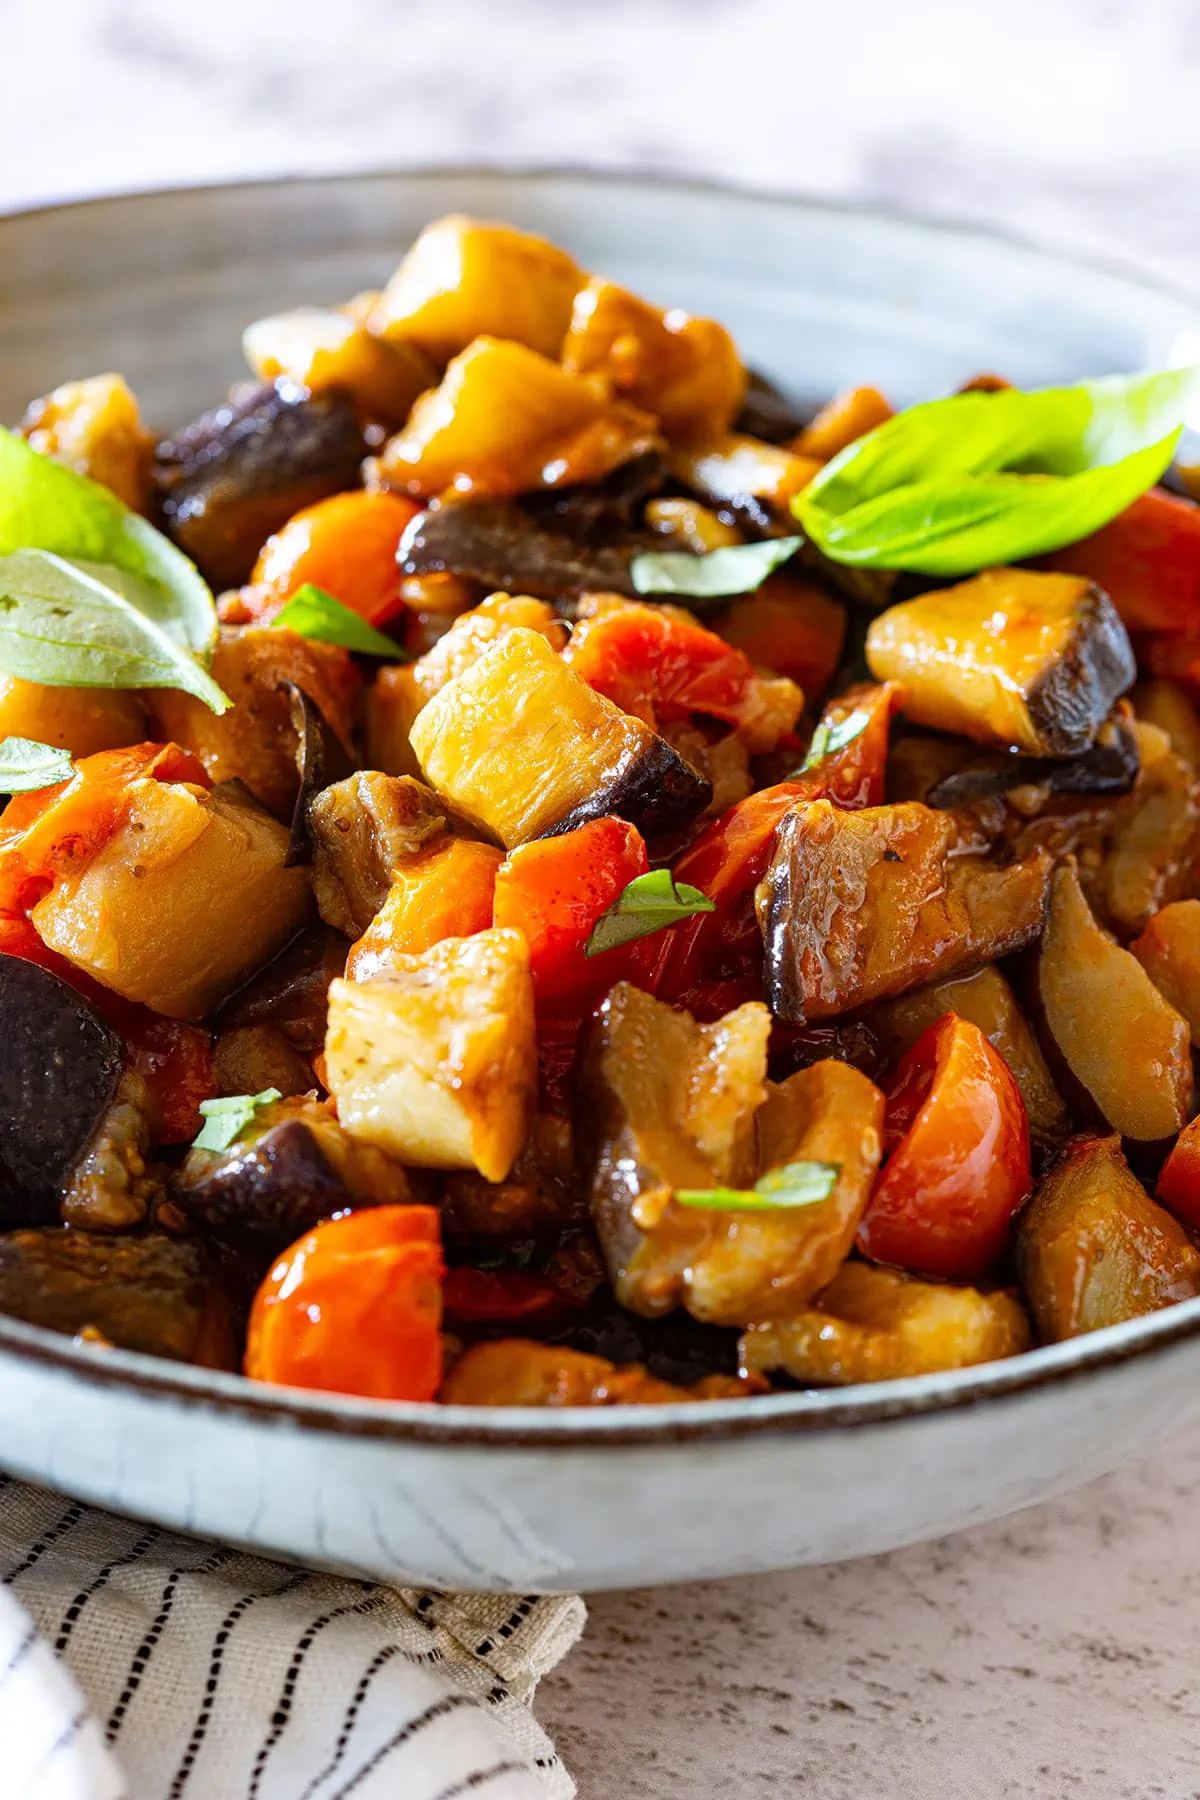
71, 1616
515, 1619
145, 1650
438, 1710
19, 1654
64, 1523
471, 1783
376, 1663
281, 1712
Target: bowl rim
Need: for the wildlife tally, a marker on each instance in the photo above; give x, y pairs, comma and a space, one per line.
802, 1412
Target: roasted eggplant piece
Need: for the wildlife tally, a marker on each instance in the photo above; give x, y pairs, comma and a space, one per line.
519, 1372
541, 1197
1155, 839
1166, 705
437, 1064
81, 720
1108, 766
1094, 1249
290, 993
767, 413
497, 543
842, 421
859, 906
149, 1292
393, 702
238, 473
298, 1168
985, 998
322, 348
1013, 656
188, 896
94, 427
1169, 951
58, 1076
251, 1058
580, 756
321, 759
475, 631
112, 1187
361, 829
879, 1325
1115, 1036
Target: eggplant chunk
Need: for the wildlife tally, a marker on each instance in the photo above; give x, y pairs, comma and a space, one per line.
1123, 1044
475, 631
81, 720
986, 1000
238, 473
1109, 766
767, 413
94, 427
1166, 704
1169, 951
1093, 1248
59, 1073
437, 1064
186, 898
149, 1292
542, 1195
875, 1324
520, 1372
523, 749
298, 1168
361, 829
251, 1058
318, 348
497, 543
859, 906
111, 1188
393, 701
1013, 656
664, 1103
756, 1266
290, 994
1155, 840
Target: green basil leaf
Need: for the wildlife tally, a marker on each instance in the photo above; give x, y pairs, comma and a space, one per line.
44, 506
26, 765
779, 1190
225, 1120
647, 904
828, 739
958, 485
315, 614
718, 574
77, 624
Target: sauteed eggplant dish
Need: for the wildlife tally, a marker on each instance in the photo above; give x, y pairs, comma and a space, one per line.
537, 873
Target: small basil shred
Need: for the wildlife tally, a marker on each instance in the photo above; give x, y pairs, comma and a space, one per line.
828, 739
227, 1118
647, 904
313, 613
793, 1185
716, 575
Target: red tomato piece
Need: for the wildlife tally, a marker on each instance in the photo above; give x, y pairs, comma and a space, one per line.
1179, 1179
660, 666
346, 544
959, 1165
355, 1307
792, 627
1147, 560
497, 1296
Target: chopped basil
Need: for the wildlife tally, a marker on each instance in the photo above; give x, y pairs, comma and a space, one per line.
315, 614
716, 575
794, 1184
226, 1119
828, 739
647, 904
25, 765
958, 485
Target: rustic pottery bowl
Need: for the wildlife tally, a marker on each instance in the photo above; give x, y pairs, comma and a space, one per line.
159, 286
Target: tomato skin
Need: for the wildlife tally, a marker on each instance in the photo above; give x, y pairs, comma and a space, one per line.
792, 627
660, 667
355, 1307
497, 1296
346, 544
959, 1165
444, 891
1148, 562
1179, 1179
553, 891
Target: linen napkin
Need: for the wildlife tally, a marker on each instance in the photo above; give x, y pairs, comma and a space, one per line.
137, 1665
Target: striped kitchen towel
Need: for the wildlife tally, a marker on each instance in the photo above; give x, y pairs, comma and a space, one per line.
136, 1665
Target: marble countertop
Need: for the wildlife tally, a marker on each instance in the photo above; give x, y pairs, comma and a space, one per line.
1052, 1655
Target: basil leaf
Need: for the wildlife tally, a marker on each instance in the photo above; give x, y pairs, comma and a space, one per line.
225, 1120
780, 1190
983, 478
26, 765
76, 624
44, 506
315, 614
647, 904
735, 569
828, 739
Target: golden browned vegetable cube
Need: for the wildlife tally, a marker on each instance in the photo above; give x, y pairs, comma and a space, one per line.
94, 426
879, 1325
319, 348
1155, 839
505, 420
361, 828
475, 631
1093, 1248
1169, 951
1165, 704
393, 701
1012, 656
187, 898
464, 278
732, 466
438, 1064
843, 420
520, 746
520, 1372
81, 720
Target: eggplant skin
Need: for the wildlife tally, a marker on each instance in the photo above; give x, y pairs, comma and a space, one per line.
265, 1194
59, 1073
769, 414
1096, 664
1108, 766
239, 472
498, 544
657, 790
149, 1292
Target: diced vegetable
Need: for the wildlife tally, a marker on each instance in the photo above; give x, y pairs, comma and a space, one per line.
1169, 951
857, 907
685, 370
437, 1064
81, 720
466, 277
517, 1372
111, 1187
733, 468
845, 418
506, 419
442, 891
504, 547
319, 348
878, 1325
1094, 1249
1155, 839
354, 1308
580, 756
1166, 705
346, 545
248, 1059
945, 772
958, 1167
984, 998
1148, 561
767, 413
1010, 657
1137, 1069
362, 829
474, 632
394, 700
181, 902
790, 626
95, 428
1179, 1178
540, 1198
291, 991
692, 526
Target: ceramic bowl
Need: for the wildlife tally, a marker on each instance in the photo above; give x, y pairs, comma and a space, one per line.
159, 286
